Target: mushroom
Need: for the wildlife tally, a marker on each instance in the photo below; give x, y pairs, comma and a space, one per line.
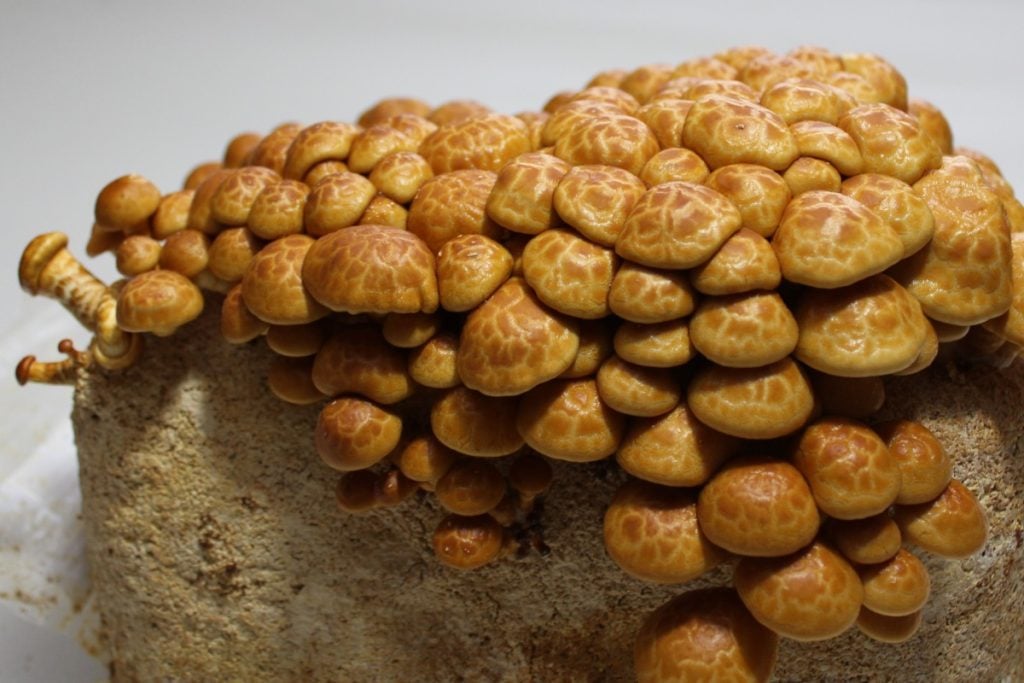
727, 87
595, 347
764, 71
353, 434
296, 341
55, 372
239, 148
610, 139
896, 587
453, 112
324, 141
760, 194
376, 142
159, 301
453, 204
802, 99
568, 420
570, 274
867, 541
883, 76
925, 467
186, 252
674, 449
891, 141
400, 175
759, 507
237, 323
200, 210
726, 130
677, 225
434, 363
612, 95
829, 240
512, 342
291, 380
475, 424
471, 486
659, 345
424, 459
874, 327
704, 635
469, 269
635, 389
746, 330
358, 360
534, 121
468, 542
705, 67
272, 150
273, 284
666, 116
953, 525
648, 295
811, 595
136, 254
200, 173
567, 115
651, 532
231, 203
887, 629
231, 253
1010, 325
485, 142
392, 488
752, 403
811, 175
371, 269
745, 263
392, 106
383, 211
409, 330
897, 204
674, 164
932, 122
278, 210
522, 198
336, 202
126, 204
644, 81
826, 142
848, 467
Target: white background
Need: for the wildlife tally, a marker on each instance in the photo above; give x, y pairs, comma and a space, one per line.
90, 90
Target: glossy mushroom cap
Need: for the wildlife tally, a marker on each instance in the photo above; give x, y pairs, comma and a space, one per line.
358, 360
476, 424
237, 323
746, 330
649, 295
867, 541
596, 200
425, 459
657, 345
568, 420
434, 363
704, 635
126, 203
291, 380
353, 434
469, 269
523, 195
636, 389
159, 301
758, 506
468, 542
652, 533
812, 595
746, 262
471, 486
725, 130
273, 287
570, 274
760, 194
848, 467
896, 587
925, 467
953, 525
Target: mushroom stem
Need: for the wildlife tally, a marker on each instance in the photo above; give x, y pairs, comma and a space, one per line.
53, 372
49, 269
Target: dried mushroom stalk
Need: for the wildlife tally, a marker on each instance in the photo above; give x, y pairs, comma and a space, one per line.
676, 266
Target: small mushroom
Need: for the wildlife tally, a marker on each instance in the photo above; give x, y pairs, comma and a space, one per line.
646, 80
291, 380
887, 629
758, 506
200, 173
409, 330
485, 142
512, 342
674, 164
471, 486
1010, 325
613, 95
273, 286
812, 595
237, 323
400, 175
727, 87
186, 252
569, 114
637, 390
371, 269
595, 347
239, 148
469, 269
849, 468
891, 141
383, 211
392, 488
376, 142
453, 204
704, 635
126, 204
746, 330
674, 449
611, 140
296, 341
745, 263
425, 459
278, 210
200, 210
392, 106
336, 202
760, 194
812, 175
733, 400
434, 364
933, 122
867, 541
829, 143
897, 204
522, 198
468, 542
454, 112
353, 434
649, 295
324, 141
883, 76
802, 99
896, 587
159, 301
355, 492
658, 345
137, 254
54, 372
475, 424
570, 274
568, 420
231, 253
652, 533
358, 360
764, 71
726, 130
953, 525
666, 116
231, 203
677, 225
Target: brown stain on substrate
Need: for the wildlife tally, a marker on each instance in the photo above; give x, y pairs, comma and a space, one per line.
217, 552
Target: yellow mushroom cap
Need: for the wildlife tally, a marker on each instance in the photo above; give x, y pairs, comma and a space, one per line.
468, 542
672, 164
425, 459
725, 130
475, 424
522, 198
764, 71
897, 204
677, 225
1010, 325
704, 635
471, 486
596, 199
186, 252
609, 139
925, 467
595, 347
867, 541
336, 202
752, 403
652, 533
273, 285
512, 342
829, 240
646, 80
752, 329
746, 262
399, 175
659, 345
807, 174
435, 363
231, 203
848, 467
568, 420
158, 301
171, 215
650, 295
200, 211
136, 254
802, 99
887, 629
353, 434
237, 323
392, 106
933, 122
409, 330
883, 76
636, 389
278, 210
665, 115
291, 380
829, 143
758, 506
896, 587
760, 194
453, 204
371, 269
483, 142
873, 327
126, 202
469, 269
891, 141
231, 253
358, 360
570, 274
953, 525
323, 141
812, 595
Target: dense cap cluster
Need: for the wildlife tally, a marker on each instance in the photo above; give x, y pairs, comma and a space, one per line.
673, 266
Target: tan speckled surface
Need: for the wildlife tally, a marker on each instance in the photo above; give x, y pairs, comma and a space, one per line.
217, 552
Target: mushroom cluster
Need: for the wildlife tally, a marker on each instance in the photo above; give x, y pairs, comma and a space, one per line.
705, 271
